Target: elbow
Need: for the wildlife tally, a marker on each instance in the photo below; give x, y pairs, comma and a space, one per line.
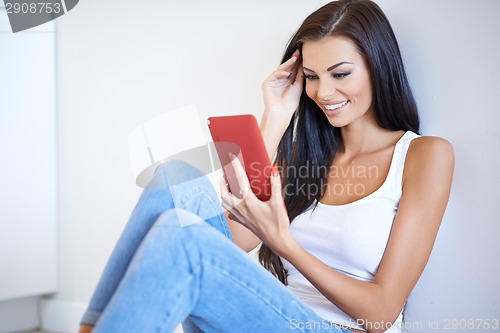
381, 309
379, 326
384, 319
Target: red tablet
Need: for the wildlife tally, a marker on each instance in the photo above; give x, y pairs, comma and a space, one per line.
240, 135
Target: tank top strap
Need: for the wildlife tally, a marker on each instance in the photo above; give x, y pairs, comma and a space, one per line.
399, 158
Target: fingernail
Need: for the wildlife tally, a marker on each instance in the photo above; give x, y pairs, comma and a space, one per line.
275, 171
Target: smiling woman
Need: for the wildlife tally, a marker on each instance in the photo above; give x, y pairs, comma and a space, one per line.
346, 247
345, 85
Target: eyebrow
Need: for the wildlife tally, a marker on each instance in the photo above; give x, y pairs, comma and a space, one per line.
331, 67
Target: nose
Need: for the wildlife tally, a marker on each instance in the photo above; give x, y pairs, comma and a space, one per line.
326, 89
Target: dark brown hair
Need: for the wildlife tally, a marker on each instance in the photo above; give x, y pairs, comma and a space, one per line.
314, 141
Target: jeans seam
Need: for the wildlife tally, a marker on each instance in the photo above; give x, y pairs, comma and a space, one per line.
194, 274
215, 205
223, 272
94, 314
167, 315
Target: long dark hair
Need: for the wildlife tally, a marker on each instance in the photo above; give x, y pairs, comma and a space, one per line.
310, 142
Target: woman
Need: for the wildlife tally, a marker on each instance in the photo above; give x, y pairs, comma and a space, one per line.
364, 197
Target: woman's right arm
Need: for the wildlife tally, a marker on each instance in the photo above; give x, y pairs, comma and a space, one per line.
281, 90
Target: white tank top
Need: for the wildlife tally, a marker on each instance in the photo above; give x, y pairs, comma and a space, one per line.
350, 238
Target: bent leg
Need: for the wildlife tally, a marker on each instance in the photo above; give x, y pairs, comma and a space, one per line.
175, 184
197, 272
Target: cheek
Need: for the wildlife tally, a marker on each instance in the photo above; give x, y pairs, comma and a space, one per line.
310, 90
362, 89
368, 88
367, 93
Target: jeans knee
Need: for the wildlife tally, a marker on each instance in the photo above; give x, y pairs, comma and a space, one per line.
176, 174
173, 172
178, 171
181, 224
178, 218
171, 232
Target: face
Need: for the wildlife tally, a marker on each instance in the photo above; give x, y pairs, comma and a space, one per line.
338, 80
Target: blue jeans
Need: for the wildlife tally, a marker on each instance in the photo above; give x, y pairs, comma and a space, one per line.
176, 263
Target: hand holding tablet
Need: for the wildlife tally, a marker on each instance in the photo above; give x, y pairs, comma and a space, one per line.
239, 137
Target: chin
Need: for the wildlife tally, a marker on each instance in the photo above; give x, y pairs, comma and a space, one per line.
336, 122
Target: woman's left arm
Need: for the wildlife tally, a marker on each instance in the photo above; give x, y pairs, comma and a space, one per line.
426, 188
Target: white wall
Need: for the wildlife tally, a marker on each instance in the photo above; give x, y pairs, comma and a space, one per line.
124, 62
452, 54
28, 172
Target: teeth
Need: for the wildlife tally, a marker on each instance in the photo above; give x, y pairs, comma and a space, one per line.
335, 106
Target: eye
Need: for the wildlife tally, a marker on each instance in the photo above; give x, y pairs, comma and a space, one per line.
309, 77
340, 75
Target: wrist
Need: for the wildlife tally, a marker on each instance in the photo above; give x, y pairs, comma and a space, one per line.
272, 130
278, 117
288, 249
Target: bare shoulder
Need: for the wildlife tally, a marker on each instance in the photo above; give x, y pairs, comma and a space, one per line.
430, 148
429, 155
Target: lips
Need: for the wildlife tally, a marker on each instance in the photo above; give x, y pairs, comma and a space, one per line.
335, 106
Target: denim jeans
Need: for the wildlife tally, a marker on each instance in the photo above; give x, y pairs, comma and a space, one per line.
175, 262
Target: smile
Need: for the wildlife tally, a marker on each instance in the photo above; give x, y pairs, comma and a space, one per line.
335, 106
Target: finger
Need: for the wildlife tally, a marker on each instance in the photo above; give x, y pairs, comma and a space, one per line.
276, 188
299, 76
241, 176
276, 185
227, 206
224, 183
229, 200
277, 76
233, 213
233, 217
224, 186
224, 192
297, 66
284, 74
289, 63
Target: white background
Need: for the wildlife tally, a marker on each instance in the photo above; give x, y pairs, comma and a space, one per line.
123, 62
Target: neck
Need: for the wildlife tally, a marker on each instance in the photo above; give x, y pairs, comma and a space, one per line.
361, 137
